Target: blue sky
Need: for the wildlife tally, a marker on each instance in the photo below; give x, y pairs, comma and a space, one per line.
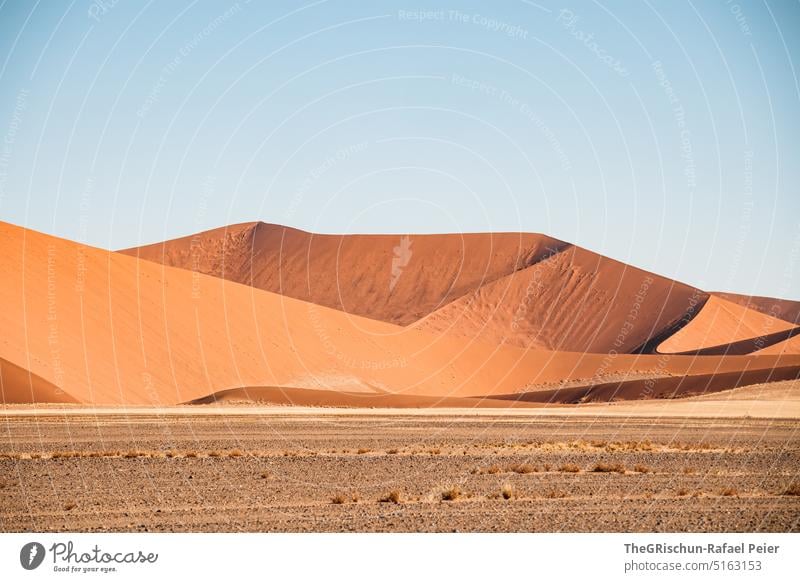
664, 134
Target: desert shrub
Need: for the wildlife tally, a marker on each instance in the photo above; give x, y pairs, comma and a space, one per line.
392, 497
522, 469
451, 493
339, 499
609, 468
507, 491
793, 489
641, 469
569, 468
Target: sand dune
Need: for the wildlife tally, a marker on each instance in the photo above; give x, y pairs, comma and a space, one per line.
110, 329
527, 290
574, 300
19, 386
723, 326
778, 308
393, 278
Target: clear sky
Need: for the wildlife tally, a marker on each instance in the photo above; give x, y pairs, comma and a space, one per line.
662, 133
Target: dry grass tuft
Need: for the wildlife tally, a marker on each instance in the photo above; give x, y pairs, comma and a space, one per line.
392, 451
451, 493
569, 468
339, 499
522, 469
793, 489
556, 494
191, 455
729, 492
392, 497
609, 468
70, 506
642, 469
507, 491
235, 453
363, 451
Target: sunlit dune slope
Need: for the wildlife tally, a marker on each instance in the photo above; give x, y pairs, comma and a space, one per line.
729, 327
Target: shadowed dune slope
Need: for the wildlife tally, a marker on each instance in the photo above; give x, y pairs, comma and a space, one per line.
392, 278
19, 386
574, 300
727, 326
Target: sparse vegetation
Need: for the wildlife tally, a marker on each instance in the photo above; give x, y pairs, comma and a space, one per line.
392, 451
556, 494
507, 491
609, 468
522, 469
392, 497
793, 489
363, 451
339, 499
641, 469
569, 468
235, 453
70, 506
451, 493
729, 492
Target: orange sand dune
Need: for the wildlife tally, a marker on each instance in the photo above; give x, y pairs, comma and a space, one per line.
789, 346
730, 328
393, 278
574, 300
777, 308
527, 290
108, 328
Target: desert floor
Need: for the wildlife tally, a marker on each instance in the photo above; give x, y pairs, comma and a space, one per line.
283, 469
